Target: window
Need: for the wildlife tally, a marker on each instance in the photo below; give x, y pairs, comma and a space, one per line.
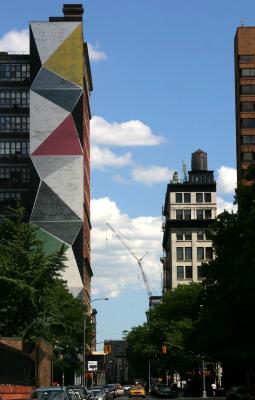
247, 58
188, 253
248, 139
179, 214
188, 272
7, 196
200, 253
188, 235
14, 72
200, 235
178, 197
208, 253
199, 197
187, 214
14, 149
179, 253
247, 90
179, 235
186, 197
200, 274
180, 272
248, 156
208, 234
200, 214
9, 98
248, 123
247, 106
14, 123
208, 197
208, 214
248, 72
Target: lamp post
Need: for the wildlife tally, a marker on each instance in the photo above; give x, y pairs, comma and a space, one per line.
84, 339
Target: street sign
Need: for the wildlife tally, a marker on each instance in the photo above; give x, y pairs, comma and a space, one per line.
92, 365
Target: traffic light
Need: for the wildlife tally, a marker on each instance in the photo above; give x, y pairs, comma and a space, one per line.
107, 348
164, 349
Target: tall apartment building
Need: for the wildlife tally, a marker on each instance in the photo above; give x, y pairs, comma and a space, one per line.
245, 99
189, 210
44, 138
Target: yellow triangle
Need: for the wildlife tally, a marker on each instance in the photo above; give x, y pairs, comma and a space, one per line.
67, 60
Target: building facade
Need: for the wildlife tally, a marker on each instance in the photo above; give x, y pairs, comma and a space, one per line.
44, 139
116, 362
189, 210
245, 100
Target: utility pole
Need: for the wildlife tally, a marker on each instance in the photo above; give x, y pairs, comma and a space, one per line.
203, 371
84, 350
149, 376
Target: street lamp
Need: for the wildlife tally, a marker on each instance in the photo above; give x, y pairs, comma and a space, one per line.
84, 339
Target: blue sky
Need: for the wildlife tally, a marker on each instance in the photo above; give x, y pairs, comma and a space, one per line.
168, 66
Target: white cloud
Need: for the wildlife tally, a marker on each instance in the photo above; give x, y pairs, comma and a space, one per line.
95, 54
226, 182
130, 133
152, 174
114, 268
102, 157
119, 179
225, 205
15, 40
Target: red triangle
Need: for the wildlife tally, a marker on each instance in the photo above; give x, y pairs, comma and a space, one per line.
62, 141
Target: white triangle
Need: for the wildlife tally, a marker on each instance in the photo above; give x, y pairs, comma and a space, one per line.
71, 273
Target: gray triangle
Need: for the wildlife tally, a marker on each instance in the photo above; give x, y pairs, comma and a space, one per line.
66, 231
47, 79
49, 207
66, 98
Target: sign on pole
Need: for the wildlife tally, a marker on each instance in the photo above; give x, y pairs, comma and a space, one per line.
92, 365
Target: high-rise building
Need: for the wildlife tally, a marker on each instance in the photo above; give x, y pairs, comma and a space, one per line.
44, 138
189, 210
245, 100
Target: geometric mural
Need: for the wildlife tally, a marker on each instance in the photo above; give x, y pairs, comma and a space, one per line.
56, 140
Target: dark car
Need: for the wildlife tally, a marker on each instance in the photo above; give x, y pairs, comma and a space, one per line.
166, 391
50, 393
237, 393
79, 389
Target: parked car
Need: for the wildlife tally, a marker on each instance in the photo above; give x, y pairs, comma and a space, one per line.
119, 391
165, 391
237, 393
137, 391
80, 389
99, 394
50, 393
126, 387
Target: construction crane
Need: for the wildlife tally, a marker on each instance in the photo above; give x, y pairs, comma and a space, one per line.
117, 234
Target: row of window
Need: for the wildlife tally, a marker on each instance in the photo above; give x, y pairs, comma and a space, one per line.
14, 123
248, 139
5, 196
201, 178
247, 90
187, 235
248, 156
14, 148
186, 197
247, 73
246, 58
15, 174
199, 214
14, 72
185, 272
247, 106
185, 253
10, 98
248, 123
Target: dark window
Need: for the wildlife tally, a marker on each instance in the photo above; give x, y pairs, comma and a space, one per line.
208, 197
187, 214
247, 58
186, 197
208, 253
180, 272
199, 197
14, 123
248, 156
188, 253
179, 235
200, 253
7, 196
248, 123
179, 214
200, 235
188, 235
188, 272
200, 214
178, 197
248, 72
179, 253
248, 139
247, 106
200, 274
10, 98
14, 72
208, 214
248, 90
208, 235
